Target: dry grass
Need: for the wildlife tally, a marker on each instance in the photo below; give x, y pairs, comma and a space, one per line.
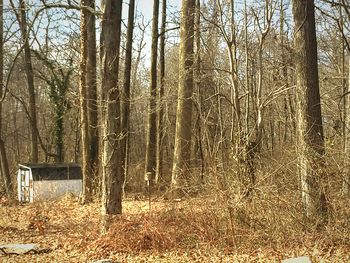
218, 226
194, 230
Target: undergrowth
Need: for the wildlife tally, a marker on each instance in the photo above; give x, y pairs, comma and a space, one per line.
270, 221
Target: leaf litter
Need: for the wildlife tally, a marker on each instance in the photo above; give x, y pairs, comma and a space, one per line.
188, 231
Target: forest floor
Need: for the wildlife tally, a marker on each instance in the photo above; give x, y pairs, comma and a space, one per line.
195, 230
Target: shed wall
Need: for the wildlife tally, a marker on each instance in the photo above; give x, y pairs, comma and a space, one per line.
25, 185
50, 189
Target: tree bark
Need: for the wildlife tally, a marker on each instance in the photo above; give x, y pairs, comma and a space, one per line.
86, 169
246, 70
182, 153
91, 88
346, 109
112, 174
160, 128
284, 70
346, 138
236, 108
126, 88
289, 98
151, 142
198, 90
5, 172
268, 12
30, 82
309, 119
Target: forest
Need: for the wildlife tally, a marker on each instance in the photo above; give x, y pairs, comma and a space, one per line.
206, 130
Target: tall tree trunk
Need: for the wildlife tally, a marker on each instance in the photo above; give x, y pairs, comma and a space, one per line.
30, 82
246, 70
160, 128
310, 130
253, 148
112, 173
259, 107
5, 172
249, 147
346, 139
284, 69
126, 88
288, 99
197, 85
236, 108
91, 89
182, 153
86, 168
151, 142
346, 111
268, 12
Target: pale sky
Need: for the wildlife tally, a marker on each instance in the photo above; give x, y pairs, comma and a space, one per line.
145, 6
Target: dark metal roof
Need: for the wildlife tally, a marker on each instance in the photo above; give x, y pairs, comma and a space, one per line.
49, 165
53, 171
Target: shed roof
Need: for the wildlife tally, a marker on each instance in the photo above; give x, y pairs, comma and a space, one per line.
53, 171
49, 165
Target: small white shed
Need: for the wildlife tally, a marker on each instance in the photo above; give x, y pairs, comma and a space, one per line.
43, 181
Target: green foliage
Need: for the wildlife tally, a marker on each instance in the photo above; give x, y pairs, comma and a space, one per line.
57, 78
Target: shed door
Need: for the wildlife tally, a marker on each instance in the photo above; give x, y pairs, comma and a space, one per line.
25, 186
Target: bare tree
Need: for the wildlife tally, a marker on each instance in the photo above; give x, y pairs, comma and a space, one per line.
22, 20
5, 172
197, 87
91, 89
289, 98
112, 174
126, 88
346, 139
309, 119
86, 159
346, 100
264, 29
183, 133
151, 142
160, 112
230, 39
